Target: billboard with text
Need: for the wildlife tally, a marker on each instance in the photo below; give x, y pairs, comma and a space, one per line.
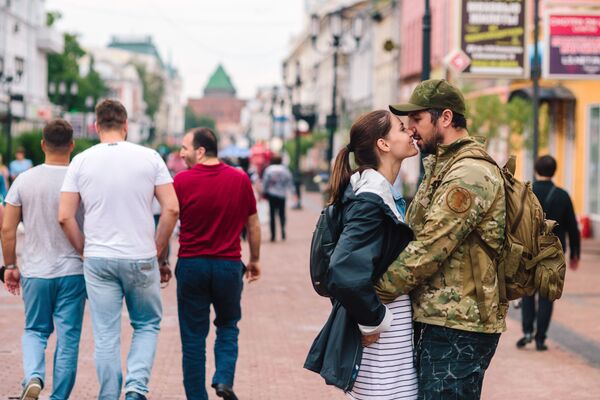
572, 46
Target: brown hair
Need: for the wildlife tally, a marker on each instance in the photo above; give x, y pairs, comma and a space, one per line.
110, 115
364, 134
58, 135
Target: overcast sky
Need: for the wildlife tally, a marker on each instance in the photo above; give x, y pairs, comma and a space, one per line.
249, 37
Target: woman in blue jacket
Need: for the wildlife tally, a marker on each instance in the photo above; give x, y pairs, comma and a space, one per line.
373, 235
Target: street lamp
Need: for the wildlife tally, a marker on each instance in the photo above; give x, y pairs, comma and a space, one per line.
63, 93
336, 27
296, 111
89, 107
274, 93
7, 81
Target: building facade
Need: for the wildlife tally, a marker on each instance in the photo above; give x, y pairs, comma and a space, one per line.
25, 42
124, 84
169, 118
221, 104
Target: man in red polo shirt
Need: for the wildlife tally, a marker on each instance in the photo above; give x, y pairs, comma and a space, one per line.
216, 202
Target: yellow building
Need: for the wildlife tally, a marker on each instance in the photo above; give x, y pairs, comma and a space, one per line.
573, 139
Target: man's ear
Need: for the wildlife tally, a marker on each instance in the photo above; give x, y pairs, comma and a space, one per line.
200, 152
446, 118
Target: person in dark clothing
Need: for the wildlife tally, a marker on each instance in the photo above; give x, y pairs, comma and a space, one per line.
558, 207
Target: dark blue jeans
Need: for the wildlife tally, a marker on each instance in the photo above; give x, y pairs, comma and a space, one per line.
200, 283
451, 363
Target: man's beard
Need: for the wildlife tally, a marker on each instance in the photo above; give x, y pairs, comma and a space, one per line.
190, 161
430, 145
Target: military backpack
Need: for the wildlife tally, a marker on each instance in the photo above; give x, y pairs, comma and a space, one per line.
531, 258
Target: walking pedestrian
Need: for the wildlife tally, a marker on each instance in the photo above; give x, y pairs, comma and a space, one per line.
20, 164
51, 274
277, 182
116, 181
4, 175
216, 202
374, 233
558, 207
460, 317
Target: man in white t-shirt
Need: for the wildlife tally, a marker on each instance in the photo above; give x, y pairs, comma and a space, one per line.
116, 181
51, 272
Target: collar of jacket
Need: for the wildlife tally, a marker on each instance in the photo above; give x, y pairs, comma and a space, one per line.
446, 151
371, 181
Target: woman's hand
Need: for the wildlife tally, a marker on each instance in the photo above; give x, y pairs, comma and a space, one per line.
368, 340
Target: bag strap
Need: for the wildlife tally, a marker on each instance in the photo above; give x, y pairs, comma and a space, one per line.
480, 154
549, 196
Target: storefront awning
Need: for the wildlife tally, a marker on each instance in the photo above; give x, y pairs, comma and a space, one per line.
557, 93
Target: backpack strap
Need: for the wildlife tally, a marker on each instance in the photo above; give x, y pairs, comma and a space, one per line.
479, 154
472, 152
549, 196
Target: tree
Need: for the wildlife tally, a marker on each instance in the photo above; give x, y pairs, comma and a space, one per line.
486, 115
154, 88
64, 67
193, 120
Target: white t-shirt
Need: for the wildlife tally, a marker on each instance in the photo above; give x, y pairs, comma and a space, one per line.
116, 183
46, 252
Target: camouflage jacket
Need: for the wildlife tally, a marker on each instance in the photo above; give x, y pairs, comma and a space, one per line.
437, 267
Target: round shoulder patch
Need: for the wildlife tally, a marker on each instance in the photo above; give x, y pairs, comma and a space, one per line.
459, 200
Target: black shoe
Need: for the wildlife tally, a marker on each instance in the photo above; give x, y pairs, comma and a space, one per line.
540, 346
283, 236
524, 340
134, 396
32, 390
224, 391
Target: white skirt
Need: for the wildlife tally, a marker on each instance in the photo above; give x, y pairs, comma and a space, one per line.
387, 370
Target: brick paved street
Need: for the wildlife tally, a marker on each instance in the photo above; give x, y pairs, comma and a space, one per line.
281, 316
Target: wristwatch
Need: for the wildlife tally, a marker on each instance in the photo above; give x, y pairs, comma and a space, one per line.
10, 266
164, 262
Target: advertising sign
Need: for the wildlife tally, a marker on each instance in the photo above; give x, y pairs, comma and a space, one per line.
493, 37
573, 45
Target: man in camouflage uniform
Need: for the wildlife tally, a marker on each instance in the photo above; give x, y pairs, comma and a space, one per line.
452, 281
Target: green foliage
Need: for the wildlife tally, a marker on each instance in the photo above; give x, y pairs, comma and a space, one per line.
52, 17
518, 112
486, 115
64, 67
193, 120
31, 142
154, 88
306, 143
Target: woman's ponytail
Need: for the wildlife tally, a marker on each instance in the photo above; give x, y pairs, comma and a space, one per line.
340, 176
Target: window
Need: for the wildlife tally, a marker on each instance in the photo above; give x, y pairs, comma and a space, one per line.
19, 66
594, 161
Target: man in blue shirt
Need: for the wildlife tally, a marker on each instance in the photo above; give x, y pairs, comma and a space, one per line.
20, 164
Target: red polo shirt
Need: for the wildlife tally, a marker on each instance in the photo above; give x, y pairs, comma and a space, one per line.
215, 202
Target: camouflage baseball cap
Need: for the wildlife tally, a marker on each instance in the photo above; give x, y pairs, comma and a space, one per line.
433, 93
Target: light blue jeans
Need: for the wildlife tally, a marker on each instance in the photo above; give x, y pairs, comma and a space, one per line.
50, 303
108, 281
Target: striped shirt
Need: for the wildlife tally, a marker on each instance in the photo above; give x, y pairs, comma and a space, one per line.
387, 370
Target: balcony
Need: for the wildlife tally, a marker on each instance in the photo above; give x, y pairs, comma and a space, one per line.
50, 40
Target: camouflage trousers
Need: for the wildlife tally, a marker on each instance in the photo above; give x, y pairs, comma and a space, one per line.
451, 363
